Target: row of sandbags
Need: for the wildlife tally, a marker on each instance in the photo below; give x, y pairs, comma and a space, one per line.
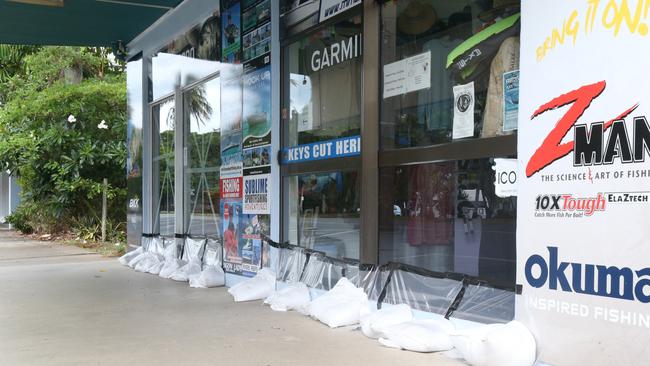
199, 261
509, 344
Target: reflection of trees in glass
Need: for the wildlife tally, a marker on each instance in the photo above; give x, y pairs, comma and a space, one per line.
198, 105
204, 154
164, 166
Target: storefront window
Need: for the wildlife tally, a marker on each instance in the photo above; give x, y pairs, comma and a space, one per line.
324, 84
164, 123
448, 217
134, 141
203, 154
324, 212
450, 70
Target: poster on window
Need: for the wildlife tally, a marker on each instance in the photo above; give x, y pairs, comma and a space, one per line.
201, 42
231, 211
251, 246
231, 32
583, 237
231, 128
257, 107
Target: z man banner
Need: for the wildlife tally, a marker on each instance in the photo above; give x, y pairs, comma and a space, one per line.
583, 223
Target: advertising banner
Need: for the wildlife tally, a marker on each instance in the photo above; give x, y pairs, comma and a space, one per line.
231, 32
583, 237
256, 194
257, 107
232, 229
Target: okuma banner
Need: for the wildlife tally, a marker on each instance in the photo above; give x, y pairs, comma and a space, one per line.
583, 229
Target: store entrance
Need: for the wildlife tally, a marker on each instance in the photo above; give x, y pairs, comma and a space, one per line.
201, 158
187, 155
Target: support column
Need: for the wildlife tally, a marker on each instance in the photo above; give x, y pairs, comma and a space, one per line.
370, 133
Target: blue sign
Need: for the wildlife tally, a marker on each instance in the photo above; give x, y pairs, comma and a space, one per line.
338, 148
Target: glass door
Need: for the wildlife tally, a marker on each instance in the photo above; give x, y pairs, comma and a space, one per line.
202, 158
164, 123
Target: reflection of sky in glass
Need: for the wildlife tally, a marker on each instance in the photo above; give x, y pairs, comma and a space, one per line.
167, 70
165, 109
134, 92
257, 95
231, 105
300, 92
194, 69
212, 94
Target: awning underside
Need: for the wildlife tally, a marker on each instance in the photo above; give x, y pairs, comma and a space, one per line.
78, 22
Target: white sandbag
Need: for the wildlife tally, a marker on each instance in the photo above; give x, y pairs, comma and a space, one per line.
210, 277
148, 261
510, 344
257, 288
184, 273
155, 269
293, 297
340, 306
170, 267
135, 260
373, 323
126, 258
419, 335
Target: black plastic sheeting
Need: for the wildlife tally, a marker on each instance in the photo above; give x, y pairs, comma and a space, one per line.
452, 295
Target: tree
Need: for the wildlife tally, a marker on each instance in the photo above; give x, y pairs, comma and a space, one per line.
62, 137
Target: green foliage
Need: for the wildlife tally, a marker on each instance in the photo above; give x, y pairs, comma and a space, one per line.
12, 59
61, 164
19, 219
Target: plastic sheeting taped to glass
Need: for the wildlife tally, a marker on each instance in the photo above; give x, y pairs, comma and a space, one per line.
193, 248
213, 254
157, 245
291, 263
322, 273
372, 279
353, 273
486, 304
421, 290
145, 242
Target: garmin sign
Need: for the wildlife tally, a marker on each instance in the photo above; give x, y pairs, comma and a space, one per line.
336, 53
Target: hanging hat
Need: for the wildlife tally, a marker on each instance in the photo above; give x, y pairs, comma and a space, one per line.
416, 18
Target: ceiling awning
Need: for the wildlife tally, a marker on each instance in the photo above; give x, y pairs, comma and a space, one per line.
78, 22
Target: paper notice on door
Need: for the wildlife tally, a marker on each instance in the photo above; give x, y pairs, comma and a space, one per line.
463, 111
407, 75
418, 71
394, 79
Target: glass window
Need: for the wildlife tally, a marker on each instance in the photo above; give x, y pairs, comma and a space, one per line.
324, 84
450, 70
323, 212
203, 154
163, 122
134, 140
446, 217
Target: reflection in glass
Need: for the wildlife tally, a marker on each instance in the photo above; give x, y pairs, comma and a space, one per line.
163, 124
134, 151
324, 212
324, 104
447, 217
472, 42
203, 154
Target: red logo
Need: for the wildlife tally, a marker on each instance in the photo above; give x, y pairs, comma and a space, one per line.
552, 148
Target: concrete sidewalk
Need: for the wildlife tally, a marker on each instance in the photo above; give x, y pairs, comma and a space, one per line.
61, 305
